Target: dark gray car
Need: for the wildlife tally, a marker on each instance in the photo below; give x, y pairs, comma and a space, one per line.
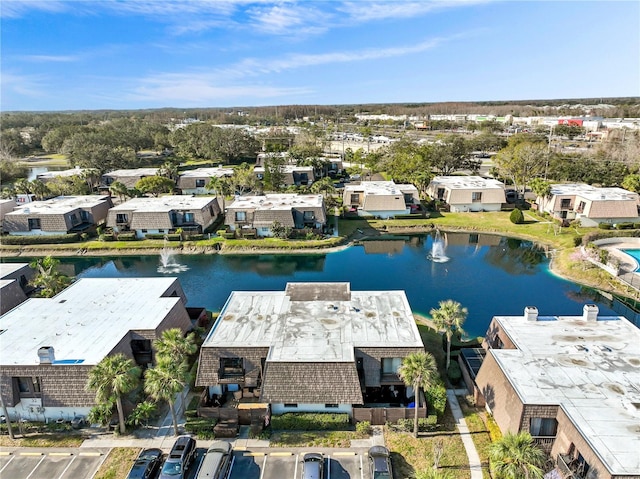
380, 463
179, 459
312, 466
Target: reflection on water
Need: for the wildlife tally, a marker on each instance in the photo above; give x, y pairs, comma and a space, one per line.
490, 275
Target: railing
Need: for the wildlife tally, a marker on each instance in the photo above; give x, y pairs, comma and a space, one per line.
544, 442
390, 378
231, 375
568, 467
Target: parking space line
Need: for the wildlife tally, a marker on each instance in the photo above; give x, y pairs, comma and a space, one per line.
8, 462
90, 454
283, 454
349, 453
241, 448
61, 454
68, 466
264, 463
31, 453
5, 453
34, 469
361, 468
295, 471
328, 466
254, 454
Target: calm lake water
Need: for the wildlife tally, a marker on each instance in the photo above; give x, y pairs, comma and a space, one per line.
490, 275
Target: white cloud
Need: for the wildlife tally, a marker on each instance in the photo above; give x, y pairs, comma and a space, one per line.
24, 85
50, 58
379, 10
19, 8
288, 19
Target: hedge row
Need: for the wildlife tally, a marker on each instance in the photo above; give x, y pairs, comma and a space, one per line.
301, 421
603, 234
40, 239
168, 237
425, 424
619, 226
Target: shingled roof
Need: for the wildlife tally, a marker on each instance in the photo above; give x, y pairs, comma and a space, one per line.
311, 383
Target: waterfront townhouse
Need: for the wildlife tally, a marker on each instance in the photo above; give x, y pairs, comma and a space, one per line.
164, 215
14, 284
572, 382
60, 215
49, 345
53, 175
257, 214
591, 205
292, 175
468, 193
313, 347
128, 177
195, 182
382, 199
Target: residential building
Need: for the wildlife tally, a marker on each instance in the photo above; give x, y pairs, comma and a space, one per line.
328, 165
572, 382
60, 215
312, 347
194, 182
468, 193
128, 177
258, 213
49, 345
52, 175
14, 284
292, 175
591, 205
164, 214
6, 206
382, 199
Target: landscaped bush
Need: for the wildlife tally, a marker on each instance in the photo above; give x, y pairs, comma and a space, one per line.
107, 237
302, 421
437, 399
127, 237
364, 428
425, 424
161, 236
454, 373
197, 237
40, 239
201, 426
577, 240
624, 226
605, 226
516, 217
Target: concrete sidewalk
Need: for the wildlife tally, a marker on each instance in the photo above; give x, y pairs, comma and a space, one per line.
475, 464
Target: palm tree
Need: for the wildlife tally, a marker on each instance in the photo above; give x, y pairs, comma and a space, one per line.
119, 189
39, 188
418, 370
168, 170
515, 456
221, 186
47, 279
449, 317
174, 346
163, 383
114, 377
324, 186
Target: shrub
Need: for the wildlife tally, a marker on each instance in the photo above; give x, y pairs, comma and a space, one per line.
161, 236
454, 373
605, 226
577, 240
40, 239
437, 399
624, 226
425, 424
197, 237
364, 428
516, 217
201, 426
301, 421
106, 237
127, 237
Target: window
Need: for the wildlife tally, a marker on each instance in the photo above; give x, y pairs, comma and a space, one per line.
355, 199
581, 206
309, 216
144, 230
331, 406
34, 223
391, 365
476, 196
122, 218
241, 216
28, 387
290, 404
189, 218
231, 367
160, 231
84, 215
199, 183
211, 210
74, 219
565, 203
543, 426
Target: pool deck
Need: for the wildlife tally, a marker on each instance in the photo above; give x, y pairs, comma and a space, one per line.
627, 264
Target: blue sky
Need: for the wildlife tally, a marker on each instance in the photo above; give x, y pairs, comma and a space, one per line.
131, 54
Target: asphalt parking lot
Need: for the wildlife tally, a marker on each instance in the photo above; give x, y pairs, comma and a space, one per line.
338, 464
51, 464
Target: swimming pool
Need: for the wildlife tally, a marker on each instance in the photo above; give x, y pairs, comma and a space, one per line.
635, 254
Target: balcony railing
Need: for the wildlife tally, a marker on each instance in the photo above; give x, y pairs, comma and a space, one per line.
569, 467
231, 375
544, 442
389, 378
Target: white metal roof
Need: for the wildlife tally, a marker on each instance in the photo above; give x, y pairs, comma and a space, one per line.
133, 172
316, 328
165, 203
10, 268
59, 205
207, 172
593, 193
85, 321
381, 188
61, 173
274, 202
467, 182
591, 369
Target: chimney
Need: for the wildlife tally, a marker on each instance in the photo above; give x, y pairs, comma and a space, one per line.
590, 312
46, 355
531, 313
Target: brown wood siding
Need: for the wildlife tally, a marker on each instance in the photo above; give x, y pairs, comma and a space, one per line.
372, 361
209, 362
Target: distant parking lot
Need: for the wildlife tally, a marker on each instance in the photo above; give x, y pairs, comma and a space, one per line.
51, 464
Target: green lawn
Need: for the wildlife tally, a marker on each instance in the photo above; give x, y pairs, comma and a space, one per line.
118, 463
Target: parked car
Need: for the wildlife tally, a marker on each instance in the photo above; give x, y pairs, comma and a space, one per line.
511, 196
216, 462
146, 465
312, 466
179, 459
380, 463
